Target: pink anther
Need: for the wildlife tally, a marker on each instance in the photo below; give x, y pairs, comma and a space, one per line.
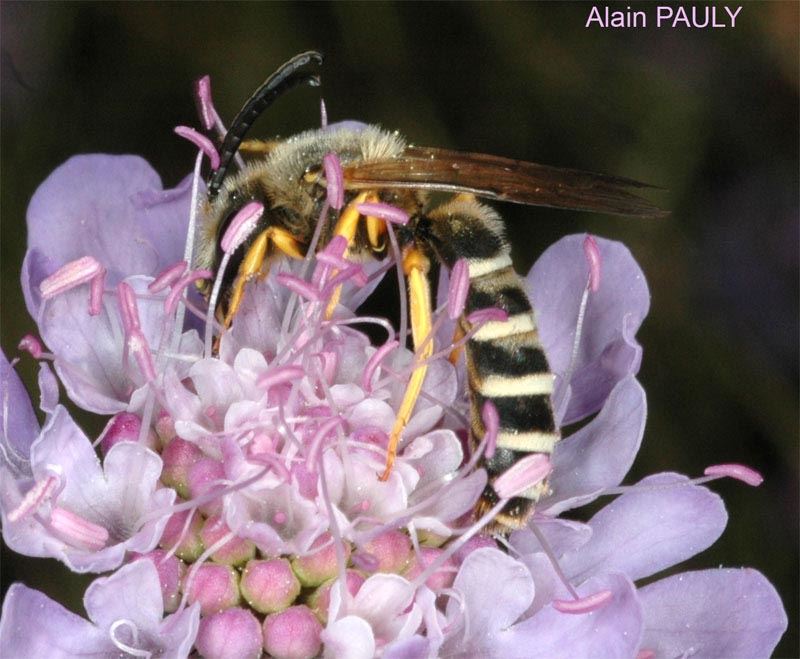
201, 142
205, 106
70, 275
167, 277
493, 314
30, 344
383, 211
491, 425
739, 472
592, 252
78, 530
459, 287
241, 226
335, 180
373, 362
526, 473
584, 604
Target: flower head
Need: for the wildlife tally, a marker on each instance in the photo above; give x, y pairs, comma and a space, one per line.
239, 491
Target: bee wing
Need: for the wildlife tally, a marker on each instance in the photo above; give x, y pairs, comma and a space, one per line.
493, 177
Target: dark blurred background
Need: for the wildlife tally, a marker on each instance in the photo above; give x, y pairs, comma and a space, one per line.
711, 115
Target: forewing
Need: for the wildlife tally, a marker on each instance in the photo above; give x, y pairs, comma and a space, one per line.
493, 177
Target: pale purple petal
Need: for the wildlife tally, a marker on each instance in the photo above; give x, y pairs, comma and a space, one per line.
18, 425
110, 207
133, 593
488, 576
24, 632
415, 647
562, 535
48, 388
348, 638
119, 499
598, 455
725, 613
607, 351
663, 522
90, 351
611, 632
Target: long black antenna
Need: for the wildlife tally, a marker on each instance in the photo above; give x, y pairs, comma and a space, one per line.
285, 78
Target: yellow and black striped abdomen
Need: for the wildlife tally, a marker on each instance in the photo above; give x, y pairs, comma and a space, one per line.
505, 360
507, 365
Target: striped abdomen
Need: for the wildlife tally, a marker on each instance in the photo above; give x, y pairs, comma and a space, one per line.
505, 360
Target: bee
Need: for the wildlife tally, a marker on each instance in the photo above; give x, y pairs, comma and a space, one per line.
505, 361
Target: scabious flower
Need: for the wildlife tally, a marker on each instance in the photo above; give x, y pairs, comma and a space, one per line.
237, 505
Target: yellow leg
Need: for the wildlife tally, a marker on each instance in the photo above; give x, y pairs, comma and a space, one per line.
416, 267
254, 262
346, 226
455, 353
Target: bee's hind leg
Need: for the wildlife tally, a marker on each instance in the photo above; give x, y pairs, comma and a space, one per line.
416, 266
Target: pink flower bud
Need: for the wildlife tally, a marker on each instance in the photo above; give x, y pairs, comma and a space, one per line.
236, 551
392, 550
124, 427
216, 587
320, 564
320, 599
442, 578
178, 457
206, 477
475, 542
270, 585
292, 634
171, 571
187, 539
230, 634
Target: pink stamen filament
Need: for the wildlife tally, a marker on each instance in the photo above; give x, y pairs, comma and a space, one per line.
454, 546
317, 441
177, 290
459, 287
41, 492
334, 178
79, 531
128, 309
592, 252
96, 290
201, 142
280, 375
31, 345
167, 277
586, 604
373, 362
